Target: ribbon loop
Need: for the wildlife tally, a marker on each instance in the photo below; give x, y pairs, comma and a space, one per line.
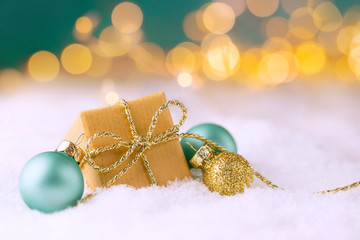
142, 142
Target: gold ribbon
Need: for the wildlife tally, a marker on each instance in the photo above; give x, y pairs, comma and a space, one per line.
143, 143
139, 143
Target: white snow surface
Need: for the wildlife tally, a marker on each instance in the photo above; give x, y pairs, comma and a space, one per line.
303, 137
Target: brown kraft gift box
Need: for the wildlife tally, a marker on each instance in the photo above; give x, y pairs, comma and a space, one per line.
166, 160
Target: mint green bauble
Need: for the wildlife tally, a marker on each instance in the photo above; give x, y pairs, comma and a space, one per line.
51, 181
211, 131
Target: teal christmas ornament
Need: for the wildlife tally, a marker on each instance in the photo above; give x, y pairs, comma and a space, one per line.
51, 181
211, 131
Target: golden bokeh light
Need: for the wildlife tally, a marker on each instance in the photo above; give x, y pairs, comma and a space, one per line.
127, 17
43, 66
200, 19
262, 47
277, 27
355, 42
278, 67
262, 8
248, 72
302, 24
311, 57
343, 70
184, 79
222, 57
84, 25
180, 59
100, 66
327, 17
149, 58
239, 6
218, 18
293, 65
210, 38
81, 37
76, 58
191, 27
354, 60
112, 43
111, 98
276, 44
345, 38
135, 37
10, 79
250, 62
274, 68
291, 5
196, 51
329, 41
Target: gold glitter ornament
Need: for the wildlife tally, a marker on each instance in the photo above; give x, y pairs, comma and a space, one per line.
226, 173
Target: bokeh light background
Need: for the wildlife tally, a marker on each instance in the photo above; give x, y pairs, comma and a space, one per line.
257, 43
283, 76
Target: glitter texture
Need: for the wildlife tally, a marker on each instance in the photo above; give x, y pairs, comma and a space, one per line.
227, 173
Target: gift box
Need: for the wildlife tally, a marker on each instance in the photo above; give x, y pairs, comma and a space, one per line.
166, 159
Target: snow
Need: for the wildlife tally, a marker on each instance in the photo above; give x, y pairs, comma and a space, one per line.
303, 137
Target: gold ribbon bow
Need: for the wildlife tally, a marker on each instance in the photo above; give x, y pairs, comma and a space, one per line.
139, 143
142, 143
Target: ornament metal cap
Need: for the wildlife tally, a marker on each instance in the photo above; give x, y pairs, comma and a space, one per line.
71, 149
204, 153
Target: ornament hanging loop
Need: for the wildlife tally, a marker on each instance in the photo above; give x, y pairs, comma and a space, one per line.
80, 139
